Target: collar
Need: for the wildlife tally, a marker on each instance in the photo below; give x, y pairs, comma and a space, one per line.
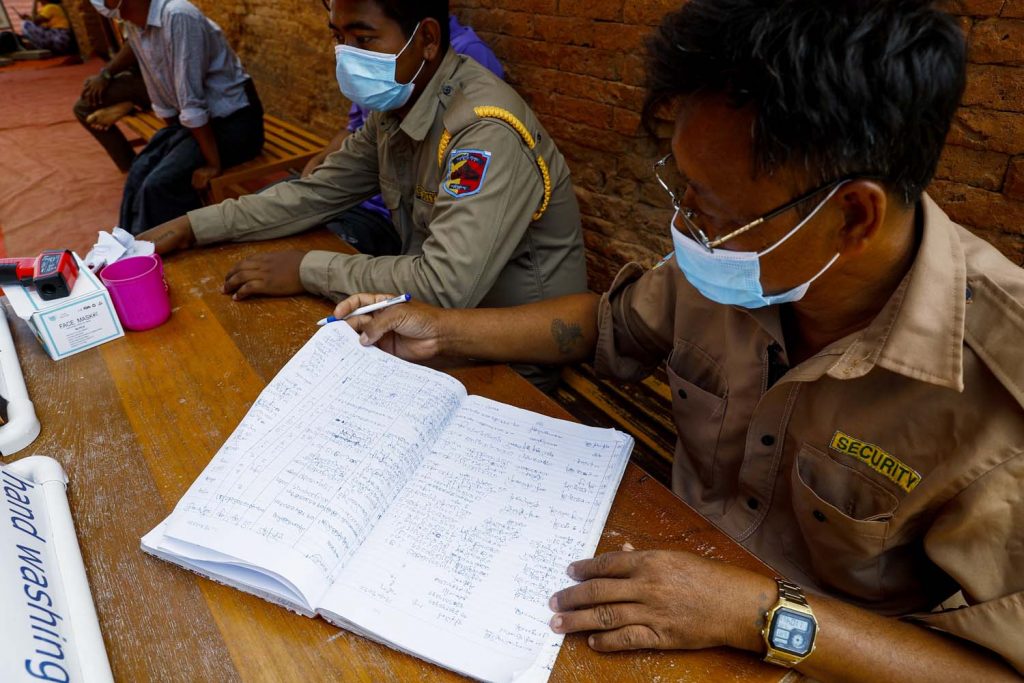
420, 119
156, 9
920, 332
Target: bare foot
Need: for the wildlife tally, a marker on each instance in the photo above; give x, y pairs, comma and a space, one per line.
102, 119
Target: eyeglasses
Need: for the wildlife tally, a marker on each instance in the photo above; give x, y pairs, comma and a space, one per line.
661, 170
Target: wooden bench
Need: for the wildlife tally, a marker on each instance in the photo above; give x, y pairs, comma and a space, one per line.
642, 409
287, 148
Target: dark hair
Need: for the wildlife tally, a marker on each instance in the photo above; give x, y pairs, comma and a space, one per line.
408, 13
840, 87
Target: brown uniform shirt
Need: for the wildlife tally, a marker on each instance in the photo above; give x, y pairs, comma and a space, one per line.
476, 245
887, 470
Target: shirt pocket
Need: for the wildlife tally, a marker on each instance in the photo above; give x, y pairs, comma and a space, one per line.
844, 520
699, 396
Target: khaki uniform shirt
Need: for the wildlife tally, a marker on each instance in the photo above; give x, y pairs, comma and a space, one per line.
476, 246
887, 470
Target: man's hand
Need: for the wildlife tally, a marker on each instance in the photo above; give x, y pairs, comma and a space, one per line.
663, 600
92, 91
412, 331
202, 176
171, 236
274, 274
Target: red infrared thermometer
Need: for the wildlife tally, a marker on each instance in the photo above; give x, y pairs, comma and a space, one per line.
52, 273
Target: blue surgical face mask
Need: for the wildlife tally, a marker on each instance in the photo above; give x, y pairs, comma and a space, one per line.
733, 278
109, 13
368, 78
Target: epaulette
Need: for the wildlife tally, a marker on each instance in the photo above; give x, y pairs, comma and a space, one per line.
994, 329
499, 114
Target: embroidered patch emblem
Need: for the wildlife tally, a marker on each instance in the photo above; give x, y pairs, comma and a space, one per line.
467, 170
877, 459
425, 195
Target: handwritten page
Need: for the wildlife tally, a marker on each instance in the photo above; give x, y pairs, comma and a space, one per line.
460, 568
315, 463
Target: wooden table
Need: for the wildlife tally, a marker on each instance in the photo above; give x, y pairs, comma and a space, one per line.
136, 420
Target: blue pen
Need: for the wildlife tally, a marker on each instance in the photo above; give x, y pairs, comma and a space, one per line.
363, 310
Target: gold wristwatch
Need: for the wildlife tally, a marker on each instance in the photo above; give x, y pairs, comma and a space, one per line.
790, 628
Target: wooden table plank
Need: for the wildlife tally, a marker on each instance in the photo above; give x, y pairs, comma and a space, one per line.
135, 421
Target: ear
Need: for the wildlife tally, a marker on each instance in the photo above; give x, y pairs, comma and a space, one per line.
864, 204
430, 37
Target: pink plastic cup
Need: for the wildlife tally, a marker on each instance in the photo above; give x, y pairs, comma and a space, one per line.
139, 291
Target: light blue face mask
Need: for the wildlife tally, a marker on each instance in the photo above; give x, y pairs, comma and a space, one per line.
733, 278
368, 78
114, 13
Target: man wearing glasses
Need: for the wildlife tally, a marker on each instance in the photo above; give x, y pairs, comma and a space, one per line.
845, 362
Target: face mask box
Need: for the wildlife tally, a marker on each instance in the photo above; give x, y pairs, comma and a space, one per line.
75, 323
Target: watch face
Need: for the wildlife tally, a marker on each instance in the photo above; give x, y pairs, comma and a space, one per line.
792, 632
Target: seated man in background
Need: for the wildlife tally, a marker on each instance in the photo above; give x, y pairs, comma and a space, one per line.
116, 91
49, 29
479, 194
199, 88
845, 362
368, 227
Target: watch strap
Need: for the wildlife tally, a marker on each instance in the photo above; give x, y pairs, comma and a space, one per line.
791, 592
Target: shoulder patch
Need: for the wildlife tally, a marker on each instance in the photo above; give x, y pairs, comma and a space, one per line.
467, 171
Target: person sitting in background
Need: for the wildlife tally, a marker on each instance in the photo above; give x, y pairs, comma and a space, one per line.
478, 191
845, 362
49, 29
198, 86
368, 227
116, 91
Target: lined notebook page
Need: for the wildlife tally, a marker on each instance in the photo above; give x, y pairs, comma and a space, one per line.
460, 569
317, 460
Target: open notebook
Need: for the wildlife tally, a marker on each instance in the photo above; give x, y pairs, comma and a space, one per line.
379, 495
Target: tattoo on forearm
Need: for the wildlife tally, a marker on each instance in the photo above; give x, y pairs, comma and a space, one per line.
164, 236
567, 336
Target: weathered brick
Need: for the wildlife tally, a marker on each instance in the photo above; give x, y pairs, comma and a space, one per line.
649, 12
995, 87
985, 8
973, 167
1014, 186
1013, 9
998, 41
988, 130
609, 10
979, 208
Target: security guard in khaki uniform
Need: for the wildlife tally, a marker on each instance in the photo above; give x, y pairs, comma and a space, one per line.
846, 364
479, 194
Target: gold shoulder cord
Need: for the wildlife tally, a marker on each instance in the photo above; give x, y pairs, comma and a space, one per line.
517, 125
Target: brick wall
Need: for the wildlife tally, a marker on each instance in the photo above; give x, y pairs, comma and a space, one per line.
579, 63
980, 181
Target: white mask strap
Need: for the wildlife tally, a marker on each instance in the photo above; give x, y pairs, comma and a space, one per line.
804, 221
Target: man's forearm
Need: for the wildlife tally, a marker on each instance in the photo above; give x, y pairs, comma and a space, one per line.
552, 332
207, 144
122, 61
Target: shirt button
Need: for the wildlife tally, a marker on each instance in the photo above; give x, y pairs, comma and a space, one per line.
768, 440
447, 90
682, 394
819, 515
753, 503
